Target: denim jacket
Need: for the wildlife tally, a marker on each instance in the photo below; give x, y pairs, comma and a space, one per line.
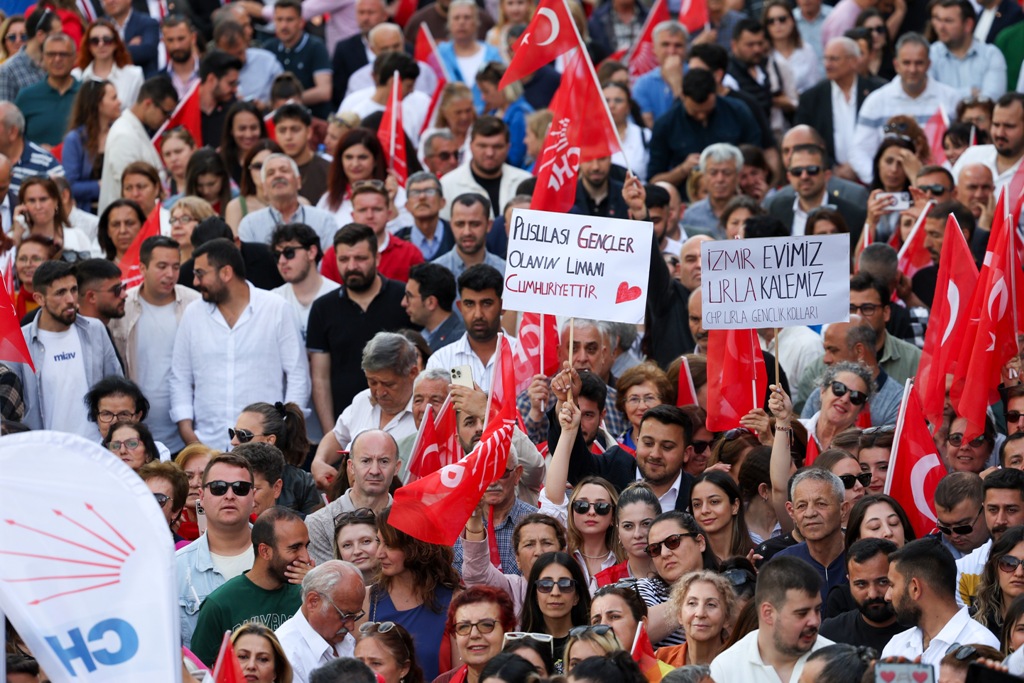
197, 578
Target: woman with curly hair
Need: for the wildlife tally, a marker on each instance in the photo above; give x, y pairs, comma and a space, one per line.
414, 587
103, 56
95, 109
478, 620
706, 605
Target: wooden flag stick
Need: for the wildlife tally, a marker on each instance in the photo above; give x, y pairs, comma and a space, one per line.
572, 328
777, 357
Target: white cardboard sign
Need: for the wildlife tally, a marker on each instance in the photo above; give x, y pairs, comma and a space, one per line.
775, 282
578, 266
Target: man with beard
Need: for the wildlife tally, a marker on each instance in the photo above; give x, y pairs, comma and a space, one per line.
873, 623
1003, 157
1004, 507
70, 353
100, 292
218, 90
922, 590
341, 323
240, 346
597, 194
182, 57
486, 173
470, 224
262, 595
788, 605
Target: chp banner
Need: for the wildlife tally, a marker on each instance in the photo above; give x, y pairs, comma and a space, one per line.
775, 282
563, 264
86, 562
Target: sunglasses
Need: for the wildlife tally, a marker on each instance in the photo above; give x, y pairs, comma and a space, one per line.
895, 128
957, 439
962, 652
876, 29
959, 529
161, 499
287, 252
16, 37
599, 629
130, 444
857, 398
424, 192
484, 626
219, 488
850, 480
934, 189
1009, 563
101, 40
369, 182
357, 516
700, 446
243, 435
771, 21
514, 636
583, 507
739, 577
801, 170
256, 166
448, 156
1013, 415
547, 585
672, 542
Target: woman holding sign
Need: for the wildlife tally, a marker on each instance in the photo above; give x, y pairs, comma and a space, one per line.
845, 389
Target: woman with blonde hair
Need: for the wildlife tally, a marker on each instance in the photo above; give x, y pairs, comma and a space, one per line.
192, 459
186, 213
597, 640
455, 112
705, 604
12, 36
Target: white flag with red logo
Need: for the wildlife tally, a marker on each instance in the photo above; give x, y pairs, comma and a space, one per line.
641, 59
915, 467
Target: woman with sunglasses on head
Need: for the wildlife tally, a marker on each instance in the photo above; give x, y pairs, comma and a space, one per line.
414, 586
260, 653
511, 668
103, 56
706, 606
12, 36
96, 107
251, 193
355, 541
973, 455
132, 443
478, 619
715, 501
584, 642
556, 600
845, 466
637, 508
388, 650
536, 648
588, 515
1002, 579
618, 667
875, 448
620, 607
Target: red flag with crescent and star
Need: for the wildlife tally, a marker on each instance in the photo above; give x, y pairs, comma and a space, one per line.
915, 468
550, 34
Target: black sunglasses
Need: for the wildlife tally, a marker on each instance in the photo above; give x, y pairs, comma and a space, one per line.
161, 499
547, 585
895, 127
962, 652
1009, 563
583, 507
934, 188
739, 577
599, 629
957, 439
672, 542
287, 252
857, 398
243, 435
809, 170
219, 488
850, 480
357, 516
700, 446
101, 40
959, 529
1013, 415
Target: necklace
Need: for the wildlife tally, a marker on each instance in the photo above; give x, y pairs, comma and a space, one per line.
592, 557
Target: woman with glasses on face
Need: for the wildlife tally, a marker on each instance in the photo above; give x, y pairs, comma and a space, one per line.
478, 619
620, 607
12, 36
640, 388
132, 443
33, 250
355, 541
388, 650
706, 606
103, 56
845, 466
535, 648
556, 600
251, 194
1002, 579
414, 586
193, 459
186, 214
715, 501
845, 390
637, 508
881, 62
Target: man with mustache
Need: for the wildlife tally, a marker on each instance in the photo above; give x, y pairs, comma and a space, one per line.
873, 623
788, 605
470, 213
923, 594
1003, 157
1004, 507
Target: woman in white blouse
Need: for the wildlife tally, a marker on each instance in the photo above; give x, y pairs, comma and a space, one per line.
635, 140
102, 56
788, 47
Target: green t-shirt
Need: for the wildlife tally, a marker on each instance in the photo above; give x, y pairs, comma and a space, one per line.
240, 601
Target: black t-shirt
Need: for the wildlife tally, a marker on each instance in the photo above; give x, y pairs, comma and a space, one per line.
769, 548
213, 124
851, 628
493, 188
339, 327
314, 178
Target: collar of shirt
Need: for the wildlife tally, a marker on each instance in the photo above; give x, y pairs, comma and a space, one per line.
320, 647
298, 46
972, 51
387, 242
214, 310
420, 240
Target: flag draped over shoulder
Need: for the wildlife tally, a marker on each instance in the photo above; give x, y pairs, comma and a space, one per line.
131, 274
188, 115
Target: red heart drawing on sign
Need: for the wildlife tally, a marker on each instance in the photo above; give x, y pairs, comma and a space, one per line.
920, 676
626, 293
888, 676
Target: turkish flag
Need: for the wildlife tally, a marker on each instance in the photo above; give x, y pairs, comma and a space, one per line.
915, 467
436, 508
686, 394
227, 668
643, 655
934, 128
864, 417
539, 332
506, 383
812, 451
550, 34
642, 59
437, 443
130, 273
13, 347
188, 115
426, 53
268, 121
954, 289
693, 14
391, 134
990, 339
913, 256
737, 378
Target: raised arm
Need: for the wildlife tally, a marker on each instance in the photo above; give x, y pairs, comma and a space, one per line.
782, 459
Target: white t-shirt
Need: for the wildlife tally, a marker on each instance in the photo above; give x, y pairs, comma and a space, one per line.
155, 339
470, 65
63, 383
288, 293
231, 566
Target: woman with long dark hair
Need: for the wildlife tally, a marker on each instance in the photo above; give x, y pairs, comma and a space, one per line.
243, 128
556, 600
716, 504
96, 107
207, 177
360, 157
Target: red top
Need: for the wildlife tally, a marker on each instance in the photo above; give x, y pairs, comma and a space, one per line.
393, 263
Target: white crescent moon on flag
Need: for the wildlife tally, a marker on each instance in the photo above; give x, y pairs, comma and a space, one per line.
953, 297
553, 18
917, 477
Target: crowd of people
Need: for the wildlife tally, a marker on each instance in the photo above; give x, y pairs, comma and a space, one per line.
300, 308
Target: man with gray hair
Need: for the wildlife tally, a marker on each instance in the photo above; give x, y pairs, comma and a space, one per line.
27, 158
657, 89
721, 164
332, 603
281, 183
441, 152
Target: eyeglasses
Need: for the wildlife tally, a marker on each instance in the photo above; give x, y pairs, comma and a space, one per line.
345, 616
1013, 415
700, 446
1009, 563
857, 398
962, 652
58, 55
649, 400
33, 260
161, 499
287, 252
376, 627
771, 21
256, 166
960, 529
513, 636
107, 416
583, 507
933, 189
130, 444
957, 439
883, 429
182, 220
16, 37
672, 542
876, 29
448, 156
850, 480
424, 192
599, 629
864, 309
101, 40
219, 488
565, 585
116, 289
798, 171
243, 435
736, 433
484, 626
739, 577
896, 127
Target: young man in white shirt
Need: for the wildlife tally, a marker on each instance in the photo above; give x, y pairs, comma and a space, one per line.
296, 250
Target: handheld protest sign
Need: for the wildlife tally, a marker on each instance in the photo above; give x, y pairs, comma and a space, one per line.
86, 562
578, 266
775, 282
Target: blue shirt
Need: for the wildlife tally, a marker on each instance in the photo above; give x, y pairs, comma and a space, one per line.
503, 536
831, 576
677, 135
653, 94
257, 74
810, 30
983, 67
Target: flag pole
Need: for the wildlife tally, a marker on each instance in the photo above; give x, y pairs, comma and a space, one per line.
572, 329
494, 376
396, 85
753, 380
900, 419
777, 343
540, 360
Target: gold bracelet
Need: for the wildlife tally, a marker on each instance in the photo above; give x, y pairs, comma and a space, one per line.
780, 428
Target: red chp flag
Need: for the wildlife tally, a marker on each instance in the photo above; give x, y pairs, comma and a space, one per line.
737, 377
550, 34
227, 668
437, 443
643, 655
915, 468
426, 53
693, 14
990, 339
130, 273
404, 11
188, 115
13, 347
686, 394
642, 59
912, 255
391, 134
538, 336
934, 128
435, 509
506, 383
813, 451
954, 289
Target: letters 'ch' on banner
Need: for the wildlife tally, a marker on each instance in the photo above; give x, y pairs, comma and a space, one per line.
563, 264
775, 282
86, 563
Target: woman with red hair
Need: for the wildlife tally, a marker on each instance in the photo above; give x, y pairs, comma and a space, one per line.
478, 619
103, 56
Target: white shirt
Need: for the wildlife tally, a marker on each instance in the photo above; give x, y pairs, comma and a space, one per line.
362, 77
414, 110
960, 629
155, 332
844, 121
306, 649
126, 80
802, 348
62, 383
217, 370
635, 150
362, 414
985, 19
668, 499
459, 353
127, 141
987, 155
287, 292
742, 662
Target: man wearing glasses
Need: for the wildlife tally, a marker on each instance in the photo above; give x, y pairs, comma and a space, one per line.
25, 67
332, 601
46, 105
870, 299
808, 175
101, 294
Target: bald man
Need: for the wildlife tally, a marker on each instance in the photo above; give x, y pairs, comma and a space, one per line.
976, 189
381, 39
689, 262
